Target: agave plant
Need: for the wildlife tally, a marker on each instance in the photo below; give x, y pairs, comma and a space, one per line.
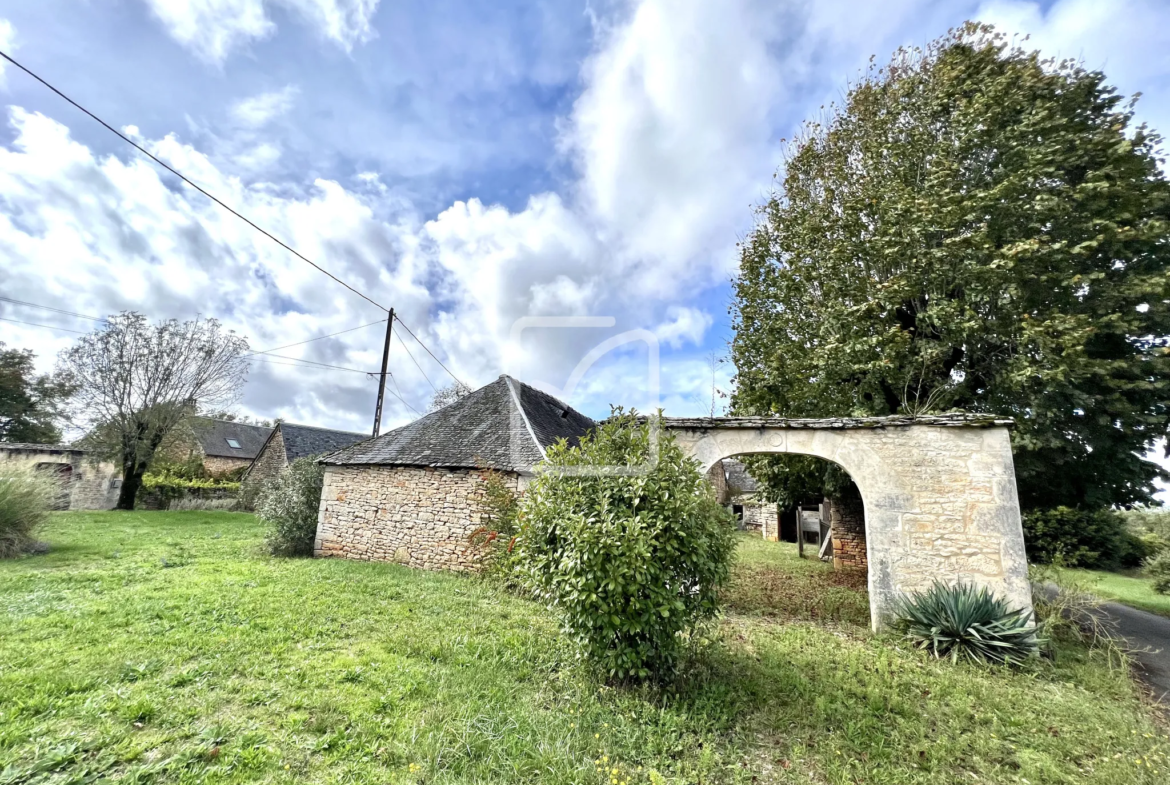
965, 622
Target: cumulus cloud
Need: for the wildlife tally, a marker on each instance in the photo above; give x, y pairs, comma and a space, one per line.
213, 28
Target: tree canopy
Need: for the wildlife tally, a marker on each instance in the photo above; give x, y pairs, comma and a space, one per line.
30, 403
975, 228
138, 381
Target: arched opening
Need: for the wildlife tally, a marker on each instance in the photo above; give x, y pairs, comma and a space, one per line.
805, 502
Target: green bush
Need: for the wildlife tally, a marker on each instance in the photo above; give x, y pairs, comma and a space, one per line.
1158, 568
633, 563
288, 504
965, 622
1094, 539
25, 499
169, 488
493, 542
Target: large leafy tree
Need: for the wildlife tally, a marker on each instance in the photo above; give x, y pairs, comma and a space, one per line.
30, 404
974, 228
137, 381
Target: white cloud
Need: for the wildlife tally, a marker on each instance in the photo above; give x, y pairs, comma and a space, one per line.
685, 325
671, 135
7, 43
213, 28
260, 109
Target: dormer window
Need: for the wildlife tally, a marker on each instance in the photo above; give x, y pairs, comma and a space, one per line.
233, 444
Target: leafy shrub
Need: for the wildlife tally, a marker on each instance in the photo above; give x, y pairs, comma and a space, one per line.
1158, 568
493, 542
25, 499
168, 488
288, 504
634, 563
1095, 539
965, 622
196, 503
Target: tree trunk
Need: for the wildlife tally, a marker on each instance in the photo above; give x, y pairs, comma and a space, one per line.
131, 482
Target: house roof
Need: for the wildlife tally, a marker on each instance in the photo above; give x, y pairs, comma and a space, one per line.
301, 441
213, 437
738, 479
505, 425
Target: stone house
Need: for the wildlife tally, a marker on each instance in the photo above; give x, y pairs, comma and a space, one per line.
738, 491
414, 494
222, 446
85, 483
289, 441
845, 514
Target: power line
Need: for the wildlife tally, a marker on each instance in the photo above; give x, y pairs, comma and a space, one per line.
313, 362
46, 326
178, 174
416, 365
55, 310
432, 354
318, 338
337, 368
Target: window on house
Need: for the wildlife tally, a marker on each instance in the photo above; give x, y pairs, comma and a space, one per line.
233, 444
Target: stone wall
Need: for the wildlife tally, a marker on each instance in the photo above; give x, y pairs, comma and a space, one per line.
759, 516
847, 522
270, 462
219, 465
718, 480
417, 516
939, 493
86, 484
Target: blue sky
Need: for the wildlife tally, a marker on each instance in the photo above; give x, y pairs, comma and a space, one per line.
469, 163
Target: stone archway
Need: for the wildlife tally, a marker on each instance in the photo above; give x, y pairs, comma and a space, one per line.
939, 492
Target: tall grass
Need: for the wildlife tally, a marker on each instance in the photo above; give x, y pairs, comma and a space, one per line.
25, 498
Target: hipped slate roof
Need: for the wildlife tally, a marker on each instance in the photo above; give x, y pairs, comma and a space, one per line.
505, 425
301, 441
213, 435
738, 479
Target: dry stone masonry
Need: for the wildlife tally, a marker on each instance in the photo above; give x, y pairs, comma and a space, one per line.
939, 493
417, 516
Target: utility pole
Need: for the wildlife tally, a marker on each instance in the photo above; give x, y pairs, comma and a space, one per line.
382, 378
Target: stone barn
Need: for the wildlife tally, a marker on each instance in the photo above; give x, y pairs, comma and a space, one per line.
414, 494
738, 491
289, 441
84, 482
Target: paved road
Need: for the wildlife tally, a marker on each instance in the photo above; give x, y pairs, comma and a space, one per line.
1150, 634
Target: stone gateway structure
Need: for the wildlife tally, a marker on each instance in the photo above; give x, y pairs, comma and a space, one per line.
414, 495
938, 492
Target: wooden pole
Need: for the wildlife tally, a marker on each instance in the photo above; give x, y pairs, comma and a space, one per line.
382, 377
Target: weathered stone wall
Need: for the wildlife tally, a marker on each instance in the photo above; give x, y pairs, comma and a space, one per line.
270, 462
718, 480
758, 516
939, 494
417, 516
86, 484
847, 522
218, 465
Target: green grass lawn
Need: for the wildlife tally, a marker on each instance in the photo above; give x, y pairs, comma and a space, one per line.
1130, 589
162, 647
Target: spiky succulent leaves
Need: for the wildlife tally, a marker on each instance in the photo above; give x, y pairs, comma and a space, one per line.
963, 622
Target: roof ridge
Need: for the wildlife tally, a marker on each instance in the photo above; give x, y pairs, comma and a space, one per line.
231, 422
318, 428
523, 414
